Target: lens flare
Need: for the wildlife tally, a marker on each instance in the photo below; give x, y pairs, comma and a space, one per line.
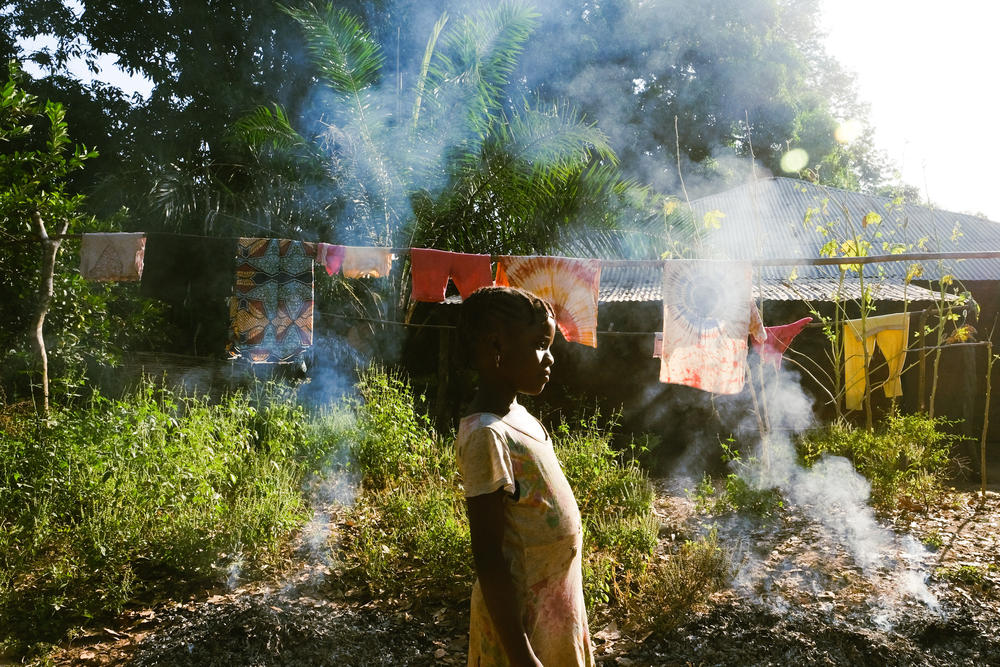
847, 131
794, 160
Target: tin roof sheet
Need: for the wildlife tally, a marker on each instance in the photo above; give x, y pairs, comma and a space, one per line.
783, 217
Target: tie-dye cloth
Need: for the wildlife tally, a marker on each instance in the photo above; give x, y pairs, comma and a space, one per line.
271, 310
569, 285
112, 257
543, 537
708, 312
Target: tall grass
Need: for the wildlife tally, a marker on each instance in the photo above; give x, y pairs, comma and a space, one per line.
139, 495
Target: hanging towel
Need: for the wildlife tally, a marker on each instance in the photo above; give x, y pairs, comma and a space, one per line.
569, 285
362, 262
271, 310
779, 337
890, 333
432, 268
707, 316
110, 257
330, 257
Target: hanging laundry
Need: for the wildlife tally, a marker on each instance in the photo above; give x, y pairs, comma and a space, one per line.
569, 285
890, 333
362, 262
271, 310
779, 337
112, 257
708, 312
330, 257
432, 268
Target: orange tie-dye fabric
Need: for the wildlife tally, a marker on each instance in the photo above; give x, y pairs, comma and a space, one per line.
708, 312
569, 285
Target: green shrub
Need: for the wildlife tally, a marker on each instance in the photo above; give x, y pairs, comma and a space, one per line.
142, 494
737, 494
907, 458
616, 502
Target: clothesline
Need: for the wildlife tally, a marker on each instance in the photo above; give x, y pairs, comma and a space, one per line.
779, 261
417, 325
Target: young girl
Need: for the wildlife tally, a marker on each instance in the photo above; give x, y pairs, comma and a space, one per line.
527, 603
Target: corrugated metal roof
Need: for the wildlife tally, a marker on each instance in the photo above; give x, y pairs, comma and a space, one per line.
641, 281
778, 217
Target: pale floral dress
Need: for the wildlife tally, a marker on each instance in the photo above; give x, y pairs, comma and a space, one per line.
542, 537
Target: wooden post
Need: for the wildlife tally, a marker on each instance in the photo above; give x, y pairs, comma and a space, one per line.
986, 421
444, 365
50, 247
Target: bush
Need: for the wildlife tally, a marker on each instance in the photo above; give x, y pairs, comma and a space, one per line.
907, 458
673, 585
616, 502
142, 494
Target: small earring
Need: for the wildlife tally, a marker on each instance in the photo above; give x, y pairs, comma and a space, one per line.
498, 361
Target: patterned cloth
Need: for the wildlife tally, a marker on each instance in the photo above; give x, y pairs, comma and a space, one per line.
109, 257
271, 310
779, 337
569, 285
890, 333
708, 311
542, 537
330, 257
432, 268
362, 262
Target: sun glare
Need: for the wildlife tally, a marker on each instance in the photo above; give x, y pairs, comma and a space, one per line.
794, 160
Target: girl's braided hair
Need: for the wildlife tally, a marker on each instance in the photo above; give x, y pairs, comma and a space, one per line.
491, 308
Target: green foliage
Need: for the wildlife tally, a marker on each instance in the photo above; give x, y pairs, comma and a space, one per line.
86, 321
907, 458
975, 577
139, 495
738, 493
409, 522
615, 500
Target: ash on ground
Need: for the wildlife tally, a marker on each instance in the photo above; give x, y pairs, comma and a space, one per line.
798, 598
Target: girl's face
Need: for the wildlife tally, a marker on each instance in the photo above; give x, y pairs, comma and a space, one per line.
525, 357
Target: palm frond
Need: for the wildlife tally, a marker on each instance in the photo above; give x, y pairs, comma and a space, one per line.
425, 66
344, 52
263, 128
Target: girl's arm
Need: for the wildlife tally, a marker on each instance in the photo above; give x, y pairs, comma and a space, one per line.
486, 525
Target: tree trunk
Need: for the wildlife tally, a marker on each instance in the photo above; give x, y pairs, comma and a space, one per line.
46, 288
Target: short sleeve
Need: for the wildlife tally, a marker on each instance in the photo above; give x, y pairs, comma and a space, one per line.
484, 462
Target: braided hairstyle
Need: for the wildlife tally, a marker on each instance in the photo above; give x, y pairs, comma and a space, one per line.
491, 308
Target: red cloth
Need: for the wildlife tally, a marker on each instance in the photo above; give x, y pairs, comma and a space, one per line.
778, 339
331, 256
432, 268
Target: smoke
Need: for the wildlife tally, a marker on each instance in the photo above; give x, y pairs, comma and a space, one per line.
831, 495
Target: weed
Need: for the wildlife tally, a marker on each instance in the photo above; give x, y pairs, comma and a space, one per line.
971, 576
673, 585
737, 494
906, 457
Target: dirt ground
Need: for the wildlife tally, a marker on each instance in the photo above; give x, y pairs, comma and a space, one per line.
799, 598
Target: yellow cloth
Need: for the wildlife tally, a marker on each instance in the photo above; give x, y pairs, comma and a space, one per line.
889, 332
542, 539
360, 262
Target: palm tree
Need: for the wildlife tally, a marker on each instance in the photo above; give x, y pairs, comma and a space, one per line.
467, 168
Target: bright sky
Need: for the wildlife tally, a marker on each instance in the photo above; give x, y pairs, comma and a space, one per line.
929, 70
